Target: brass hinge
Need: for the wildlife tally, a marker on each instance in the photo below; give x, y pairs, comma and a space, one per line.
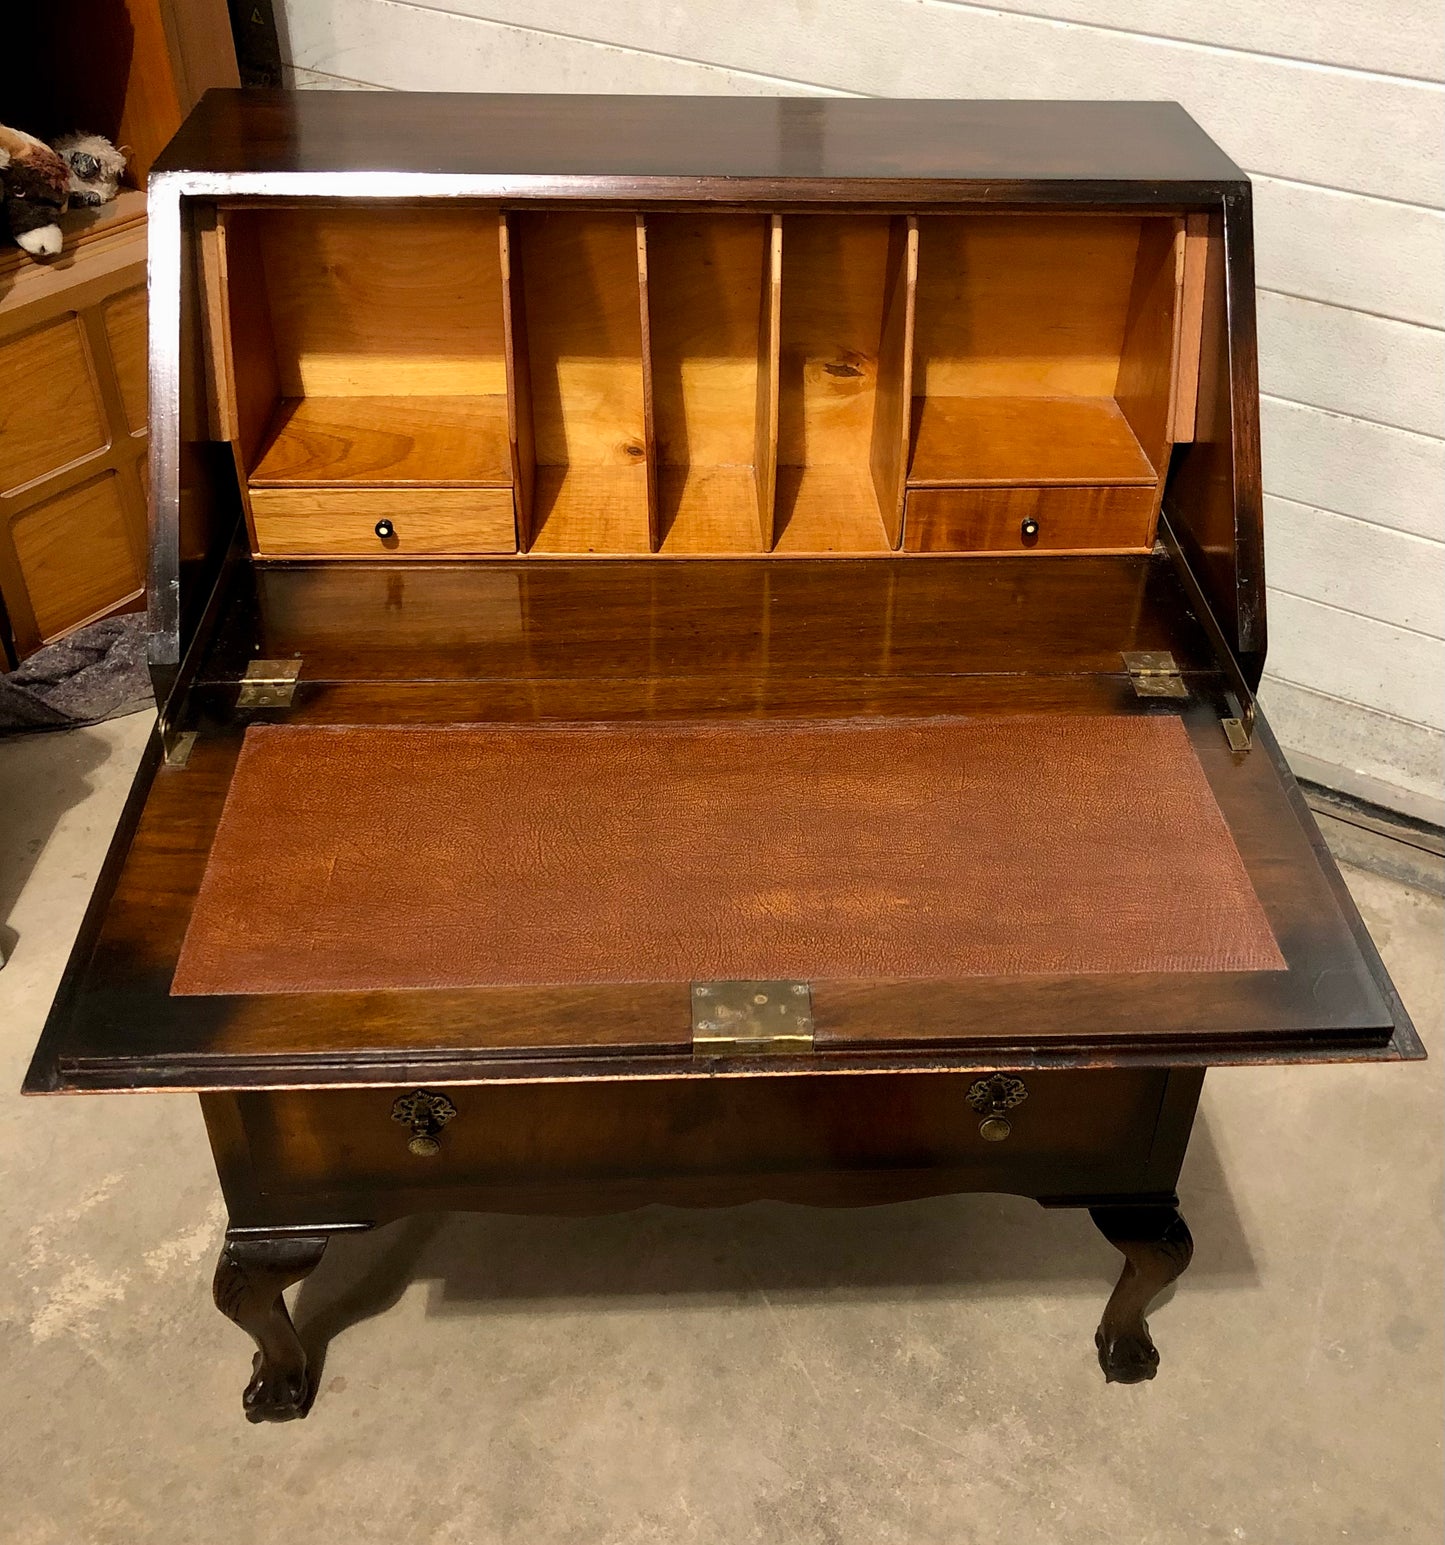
268, 684
1236, 732
1154, 673
177, 745
751, 1019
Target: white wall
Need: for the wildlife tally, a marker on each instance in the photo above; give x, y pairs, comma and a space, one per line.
1335, 109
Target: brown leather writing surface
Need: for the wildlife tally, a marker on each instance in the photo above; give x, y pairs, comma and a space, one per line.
360, 858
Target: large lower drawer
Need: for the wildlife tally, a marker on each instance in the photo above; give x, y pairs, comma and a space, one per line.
1067, 1133
1022, 520
381, 522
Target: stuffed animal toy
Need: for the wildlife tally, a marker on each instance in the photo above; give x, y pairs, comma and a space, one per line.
95, 166
35, 184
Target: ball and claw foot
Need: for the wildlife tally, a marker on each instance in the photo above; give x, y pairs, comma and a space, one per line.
1156, 1245
276, 1395
1127, 1359
251, 1276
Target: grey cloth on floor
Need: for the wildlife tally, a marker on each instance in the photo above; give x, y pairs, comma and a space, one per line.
98, 672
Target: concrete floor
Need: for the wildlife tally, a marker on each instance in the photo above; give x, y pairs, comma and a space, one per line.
909, 1374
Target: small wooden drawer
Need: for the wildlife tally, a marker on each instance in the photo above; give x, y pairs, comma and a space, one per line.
1022, 520
343, 522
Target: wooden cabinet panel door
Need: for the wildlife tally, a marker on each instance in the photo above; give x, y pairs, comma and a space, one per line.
73, 439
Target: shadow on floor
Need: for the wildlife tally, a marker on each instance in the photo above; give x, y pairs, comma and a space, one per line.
962, 1247
42, 776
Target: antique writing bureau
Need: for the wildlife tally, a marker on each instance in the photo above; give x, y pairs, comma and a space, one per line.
706, 651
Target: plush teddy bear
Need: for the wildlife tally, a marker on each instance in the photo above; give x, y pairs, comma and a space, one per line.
35, 184
95, 167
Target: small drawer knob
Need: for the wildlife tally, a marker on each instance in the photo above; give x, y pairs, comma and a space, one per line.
426, 1114
1029, 529
991, 1097
385, 530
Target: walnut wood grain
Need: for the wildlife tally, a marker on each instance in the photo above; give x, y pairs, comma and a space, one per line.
785, 626
350, 312
1214, 496
1014, 305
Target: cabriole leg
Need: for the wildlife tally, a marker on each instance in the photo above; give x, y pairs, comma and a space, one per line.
251, 1275
1156, 1246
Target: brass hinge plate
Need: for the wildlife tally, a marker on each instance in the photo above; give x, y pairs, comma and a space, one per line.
1154, 673
268, 684
751, 1019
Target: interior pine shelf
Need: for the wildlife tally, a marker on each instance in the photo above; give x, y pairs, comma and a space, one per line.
708, 510
972, 441
590, 510
440, 442
828, 510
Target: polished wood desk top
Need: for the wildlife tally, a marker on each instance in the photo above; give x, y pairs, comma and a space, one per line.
708, 147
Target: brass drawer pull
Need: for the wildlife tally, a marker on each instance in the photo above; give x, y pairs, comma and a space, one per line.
991, 1097
426, 1114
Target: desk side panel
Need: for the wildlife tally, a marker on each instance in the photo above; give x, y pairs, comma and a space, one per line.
1213, 496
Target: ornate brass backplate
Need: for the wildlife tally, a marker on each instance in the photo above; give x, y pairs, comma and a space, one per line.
426, 1114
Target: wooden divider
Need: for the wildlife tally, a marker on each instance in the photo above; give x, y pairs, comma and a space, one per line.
649, 405
1148, 359
1191, 326
893, 402
769, 345
238, 411
520, 437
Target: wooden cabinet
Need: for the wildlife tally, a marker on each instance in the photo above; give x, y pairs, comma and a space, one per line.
73, 431
73, 529
706, 651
